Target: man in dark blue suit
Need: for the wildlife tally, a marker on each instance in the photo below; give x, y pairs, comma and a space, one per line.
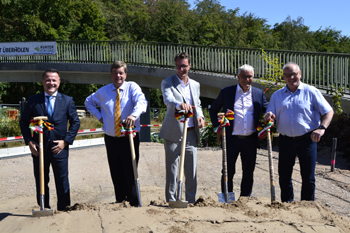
59, 109
247, 103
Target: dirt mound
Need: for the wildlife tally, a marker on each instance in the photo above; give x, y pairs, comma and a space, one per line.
81, 206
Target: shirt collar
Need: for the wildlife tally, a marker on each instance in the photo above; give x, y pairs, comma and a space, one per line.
239, 89
182, 82
54, 94
300, 87
122, 87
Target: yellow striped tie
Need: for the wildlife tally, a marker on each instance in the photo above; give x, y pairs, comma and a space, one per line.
117, 115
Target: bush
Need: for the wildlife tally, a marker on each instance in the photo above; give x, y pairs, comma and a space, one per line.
9, 127
208, 137
90, 123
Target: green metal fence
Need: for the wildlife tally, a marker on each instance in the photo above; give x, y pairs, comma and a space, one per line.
323, 70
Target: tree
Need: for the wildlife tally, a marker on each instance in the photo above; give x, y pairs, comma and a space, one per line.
292, 35
331, 41
157, 98
170, 21
44, 20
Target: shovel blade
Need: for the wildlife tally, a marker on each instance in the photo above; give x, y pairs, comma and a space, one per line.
178, 204
42, 213
230, 197
138, 192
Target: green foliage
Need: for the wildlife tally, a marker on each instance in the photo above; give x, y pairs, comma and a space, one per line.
157, 98
292, 34
43, 20
156, 138
3, 90
208, 137
206, 115
90, 123
337, 94
273, 79
9, 127
208, 23
161, 115
79, 92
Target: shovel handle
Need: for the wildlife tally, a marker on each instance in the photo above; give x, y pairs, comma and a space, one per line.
183, 147
41, 162
133, 156
224, 154
272, 180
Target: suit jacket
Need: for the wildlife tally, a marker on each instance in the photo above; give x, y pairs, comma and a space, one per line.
226, 100
64, 111
173, 94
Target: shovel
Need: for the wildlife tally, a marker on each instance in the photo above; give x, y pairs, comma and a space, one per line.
226, 197
179, 203
272, 181
133, 158
42, 212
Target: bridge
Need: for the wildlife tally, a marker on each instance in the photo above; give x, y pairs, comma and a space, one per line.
150, 62
88, 62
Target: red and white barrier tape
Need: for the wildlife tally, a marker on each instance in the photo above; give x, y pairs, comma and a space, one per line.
79, 132
11, 138
17, 138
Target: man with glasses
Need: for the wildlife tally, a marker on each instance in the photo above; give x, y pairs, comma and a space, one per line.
302, 116
247, 103
181, 93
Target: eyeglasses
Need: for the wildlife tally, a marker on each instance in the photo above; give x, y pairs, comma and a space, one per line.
181, 67
292, 74
246, 77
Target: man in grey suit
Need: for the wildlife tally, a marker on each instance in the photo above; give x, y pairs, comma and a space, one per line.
181, 93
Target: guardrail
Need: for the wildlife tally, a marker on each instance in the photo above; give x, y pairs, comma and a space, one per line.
323, 70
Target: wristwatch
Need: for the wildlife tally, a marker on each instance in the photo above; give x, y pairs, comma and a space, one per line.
322, 127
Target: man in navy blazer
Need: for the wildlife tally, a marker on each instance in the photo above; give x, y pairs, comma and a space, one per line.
55, 141
247, 103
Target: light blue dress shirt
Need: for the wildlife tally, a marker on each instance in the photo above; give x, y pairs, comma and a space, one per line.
133, 102
300, 112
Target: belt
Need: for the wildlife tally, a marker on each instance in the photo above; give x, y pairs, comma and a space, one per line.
299, 137
243, 136
189, 128
115, 137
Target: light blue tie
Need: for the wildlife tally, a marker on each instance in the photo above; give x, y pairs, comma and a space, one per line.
49, 106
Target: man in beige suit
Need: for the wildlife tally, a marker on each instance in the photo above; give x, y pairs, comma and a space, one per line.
181, 93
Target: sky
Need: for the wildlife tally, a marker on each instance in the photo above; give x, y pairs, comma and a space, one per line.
316, 13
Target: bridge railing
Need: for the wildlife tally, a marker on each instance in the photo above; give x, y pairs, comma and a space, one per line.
324, 70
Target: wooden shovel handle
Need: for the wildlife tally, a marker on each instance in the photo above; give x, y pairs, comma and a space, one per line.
183, 147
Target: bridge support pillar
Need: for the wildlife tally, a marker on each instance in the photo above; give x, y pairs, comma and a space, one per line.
145, 119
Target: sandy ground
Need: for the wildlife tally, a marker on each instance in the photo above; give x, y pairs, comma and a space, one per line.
94, 210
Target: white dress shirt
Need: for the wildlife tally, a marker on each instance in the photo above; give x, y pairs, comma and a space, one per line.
244, 113
187, 91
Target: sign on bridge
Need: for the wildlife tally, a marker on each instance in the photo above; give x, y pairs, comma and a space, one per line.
28, 48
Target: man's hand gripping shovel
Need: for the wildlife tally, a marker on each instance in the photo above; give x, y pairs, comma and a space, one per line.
223, 119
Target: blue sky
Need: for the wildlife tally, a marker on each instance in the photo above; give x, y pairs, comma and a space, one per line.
316, 13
